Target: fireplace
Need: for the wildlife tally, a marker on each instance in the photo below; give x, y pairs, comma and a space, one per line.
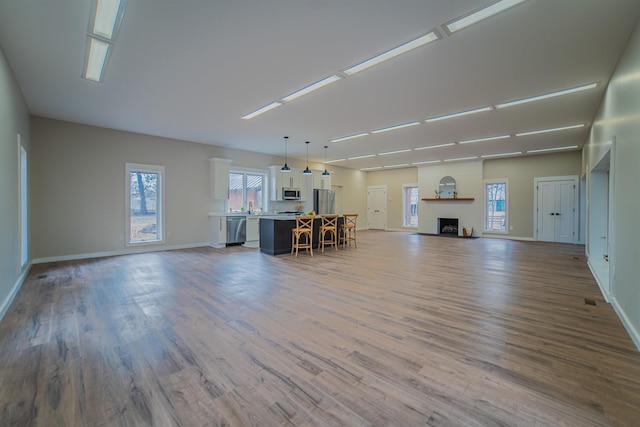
448, 226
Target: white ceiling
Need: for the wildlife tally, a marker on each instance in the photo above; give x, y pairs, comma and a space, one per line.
191, 69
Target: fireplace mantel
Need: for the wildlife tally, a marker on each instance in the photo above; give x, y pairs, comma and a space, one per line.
457, 199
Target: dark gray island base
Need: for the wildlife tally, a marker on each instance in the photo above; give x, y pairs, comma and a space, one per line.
275, 234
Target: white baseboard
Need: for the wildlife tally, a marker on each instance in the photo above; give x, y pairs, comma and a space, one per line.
14, 291
633, 333
603, 288
127, 251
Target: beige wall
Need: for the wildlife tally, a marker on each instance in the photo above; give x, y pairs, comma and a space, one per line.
78, 187
14, 120
619, 120
393, 179
520, 172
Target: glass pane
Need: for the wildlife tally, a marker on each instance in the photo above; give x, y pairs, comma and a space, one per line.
496, 207
144, 213
254, 192
236, 192
411, 206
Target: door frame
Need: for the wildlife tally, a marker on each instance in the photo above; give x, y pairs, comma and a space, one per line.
576, 202
597, 196
378, 187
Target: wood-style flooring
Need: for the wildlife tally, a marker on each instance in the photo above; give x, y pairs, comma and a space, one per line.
404, 330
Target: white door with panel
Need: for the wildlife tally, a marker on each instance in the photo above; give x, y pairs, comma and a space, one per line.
377, 208
556, 209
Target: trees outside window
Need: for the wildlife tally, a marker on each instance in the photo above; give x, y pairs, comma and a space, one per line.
144, 203
410, 205
246, 191
495, 206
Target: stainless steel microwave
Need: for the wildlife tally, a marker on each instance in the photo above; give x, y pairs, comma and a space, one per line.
290, 193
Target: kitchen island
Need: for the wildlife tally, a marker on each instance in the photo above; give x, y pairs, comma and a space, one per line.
275, 233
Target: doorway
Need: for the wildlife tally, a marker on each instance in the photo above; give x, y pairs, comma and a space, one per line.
377, 207
556, 209
600, 190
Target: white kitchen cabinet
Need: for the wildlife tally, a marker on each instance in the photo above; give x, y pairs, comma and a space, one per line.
219, 177
218, 230
279, 179
306, 186
321, 182
253, 231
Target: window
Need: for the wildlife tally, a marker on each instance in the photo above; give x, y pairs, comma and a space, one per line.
144, 203
246, 191
410, 203
495, 206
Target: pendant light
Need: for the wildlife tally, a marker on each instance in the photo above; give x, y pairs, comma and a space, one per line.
326, 172
286, 167
307, 171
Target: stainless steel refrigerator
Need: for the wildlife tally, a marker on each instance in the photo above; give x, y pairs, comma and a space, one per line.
323, 201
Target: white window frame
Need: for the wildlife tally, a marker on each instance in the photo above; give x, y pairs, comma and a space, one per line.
404, 203
504, 181
137, 167
265, 184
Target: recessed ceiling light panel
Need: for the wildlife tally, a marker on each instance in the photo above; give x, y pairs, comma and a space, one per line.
387, 129
535, 132
481, 15
262, 110
547, 95
317, 85
97, 55
489, 138
461, 158
541, 150
515, 153
435, 146
105, 19
461, 113
363, 156
396, 51
426, 162
384, 153
344, 138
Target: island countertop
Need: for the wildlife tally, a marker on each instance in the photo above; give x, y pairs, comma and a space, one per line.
275, 233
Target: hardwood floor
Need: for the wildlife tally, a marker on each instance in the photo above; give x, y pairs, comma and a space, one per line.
405, 330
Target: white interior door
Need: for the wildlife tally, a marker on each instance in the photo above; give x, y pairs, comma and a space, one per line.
377, 208
556, 204
546, 211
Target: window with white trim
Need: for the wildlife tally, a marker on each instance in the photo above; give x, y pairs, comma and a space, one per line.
247, 190
410, 205
495, 206
145, 204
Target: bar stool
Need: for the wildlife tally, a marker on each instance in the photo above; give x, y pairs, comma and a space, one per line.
304, 228
348, 229
329, 225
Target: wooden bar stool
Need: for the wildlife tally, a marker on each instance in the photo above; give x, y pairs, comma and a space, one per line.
348, 229
302, 234
329, 225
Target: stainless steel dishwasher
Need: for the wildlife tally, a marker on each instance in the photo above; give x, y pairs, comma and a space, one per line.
236, 229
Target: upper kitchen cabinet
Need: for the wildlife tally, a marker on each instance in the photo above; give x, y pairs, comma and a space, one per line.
219, 178
321, 182
280, 180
